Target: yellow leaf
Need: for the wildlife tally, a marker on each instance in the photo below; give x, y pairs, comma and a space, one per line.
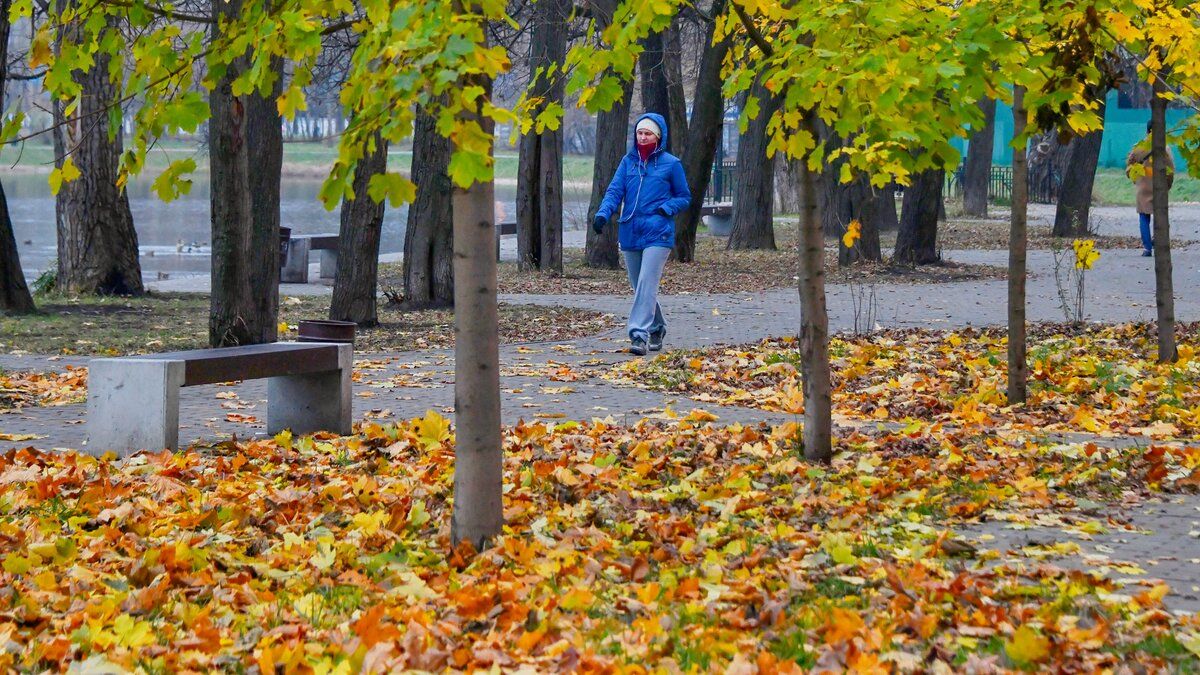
1027, 646
577, 599
15, 564
853, 234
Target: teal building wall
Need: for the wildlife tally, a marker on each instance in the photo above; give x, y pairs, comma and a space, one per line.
1123, 128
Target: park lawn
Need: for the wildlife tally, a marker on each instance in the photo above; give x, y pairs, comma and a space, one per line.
163, 322
1113, 188
682, 545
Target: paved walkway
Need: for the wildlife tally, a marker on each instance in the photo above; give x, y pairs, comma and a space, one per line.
553, 381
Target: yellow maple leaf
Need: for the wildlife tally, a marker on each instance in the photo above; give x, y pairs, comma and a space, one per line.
1027, 646
853, 233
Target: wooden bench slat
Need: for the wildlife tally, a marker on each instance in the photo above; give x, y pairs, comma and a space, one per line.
226, 364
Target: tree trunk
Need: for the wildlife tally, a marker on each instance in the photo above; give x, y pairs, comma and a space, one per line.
539, 174
814, 322
844, 202
662, 85
356, 283
612, 142
1018, 370
97, 244
704, 133
977, 171
753, 227
916, 243
244, 132
479, 453
1164, 291
14, 293
888, 218
1075, 194
429, 235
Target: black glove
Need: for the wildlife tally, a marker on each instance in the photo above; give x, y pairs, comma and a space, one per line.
662, 212
598, 224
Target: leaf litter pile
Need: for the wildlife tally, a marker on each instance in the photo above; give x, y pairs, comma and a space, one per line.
1098, 379
674, 546
24, 389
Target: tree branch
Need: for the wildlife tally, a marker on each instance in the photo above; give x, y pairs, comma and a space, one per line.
756, 36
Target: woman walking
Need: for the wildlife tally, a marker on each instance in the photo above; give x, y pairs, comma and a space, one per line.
651, 184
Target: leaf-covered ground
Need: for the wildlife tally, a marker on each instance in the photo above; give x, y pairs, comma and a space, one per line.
162, 322
673, 546
1099, 379
20, 389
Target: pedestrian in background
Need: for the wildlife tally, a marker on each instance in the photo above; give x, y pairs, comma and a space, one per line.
1145, 188
650, 188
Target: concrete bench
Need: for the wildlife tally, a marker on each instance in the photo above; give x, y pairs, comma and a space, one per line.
295, 266
503, 228
133, 402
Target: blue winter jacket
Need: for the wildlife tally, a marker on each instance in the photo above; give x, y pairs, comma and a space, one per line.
645, 188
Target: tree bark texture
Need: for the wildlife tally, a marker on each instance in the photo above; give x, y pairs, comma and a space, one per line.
244, 132
1018, 369
539, 173
977, 171
1075, 194
14, 293
1164, 286
814, 322
429, 235
479, 452
662, 85
753, 196
357, 278
916, 242
97, 243
612, 142
704, 133
845, 202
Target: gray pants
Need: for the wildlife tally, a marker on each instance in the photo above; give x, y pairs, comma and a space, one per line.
645, 269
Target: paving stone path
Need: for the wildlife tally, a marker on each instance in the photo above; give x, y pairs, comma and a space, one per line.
561, 380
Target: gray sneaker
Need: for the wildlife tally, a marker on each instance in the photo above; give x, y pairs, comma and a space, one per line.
638, 348
656, 340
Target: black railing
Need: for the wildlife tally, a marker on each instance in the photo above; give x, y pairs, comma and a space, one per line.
1043, 188
720, 188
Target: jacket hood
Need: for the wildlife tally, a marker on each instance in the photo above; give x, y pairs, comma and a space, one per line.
662, 124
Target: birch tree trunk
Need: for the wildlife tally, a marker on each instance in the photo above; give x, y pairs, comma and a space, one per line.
1018, 370
479, 453
356, 282
1164, 291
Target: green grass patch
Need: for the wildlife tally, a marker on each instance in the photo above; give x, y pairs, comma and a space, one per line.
1113, 188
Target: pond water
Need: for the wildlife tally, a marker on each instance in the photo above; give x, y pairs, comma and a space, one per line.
174, 238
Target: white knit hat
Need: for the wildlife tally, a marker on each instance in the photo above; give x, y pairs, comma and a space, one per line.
649, 125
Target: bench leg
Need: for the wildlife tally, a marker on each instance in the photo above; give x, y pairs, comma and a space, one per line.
315, 402
133, 405
295, 270
329, 258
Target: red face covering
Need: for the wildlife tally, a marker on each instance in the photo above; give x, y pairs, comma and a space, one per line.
644, 150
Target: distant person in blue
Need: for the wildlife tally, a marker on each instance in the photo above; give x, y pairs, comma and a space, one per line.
1145, 188
651, 184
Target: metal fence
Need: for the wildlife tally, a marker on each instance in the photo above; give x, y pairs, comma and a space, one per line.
720, 188
1043, 189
